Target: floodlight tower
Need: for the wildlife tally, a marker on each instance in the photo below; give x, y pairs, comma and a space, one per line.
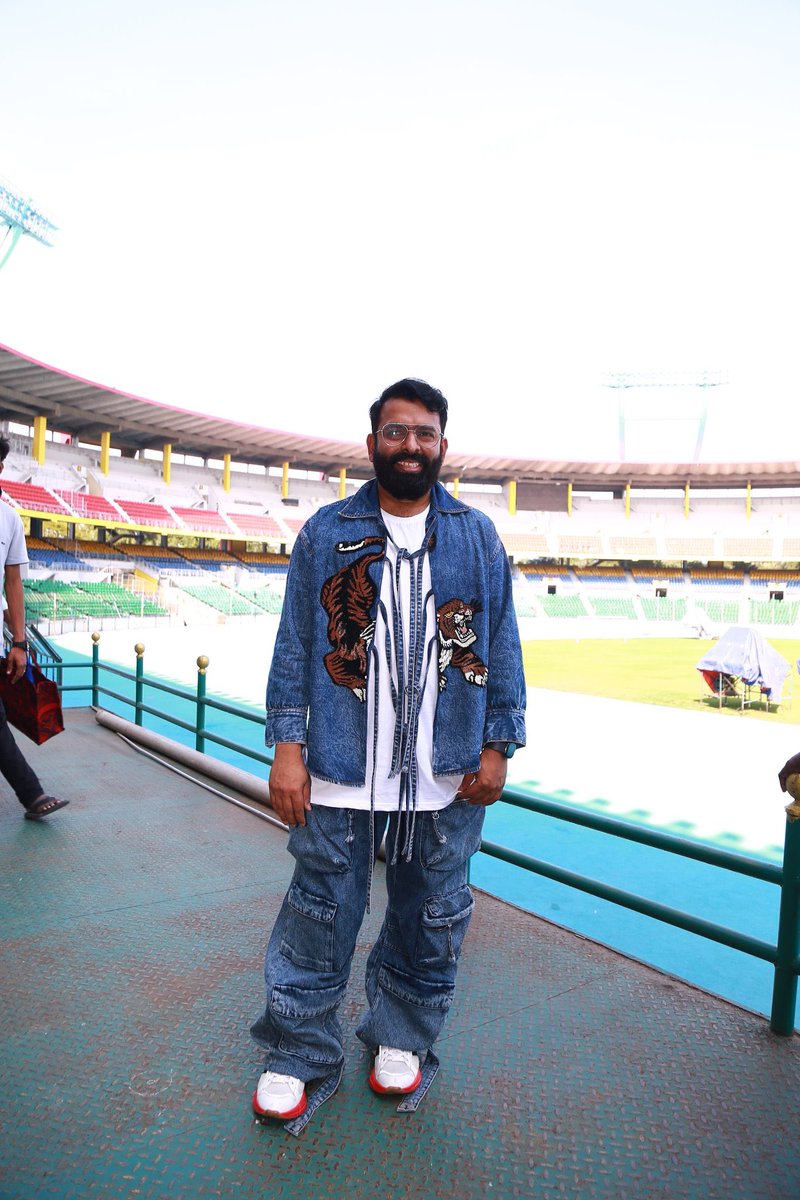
704, 380
18, 216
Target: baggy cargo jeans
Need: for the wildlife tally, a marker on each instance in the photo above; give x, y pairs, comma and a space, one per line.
411, 970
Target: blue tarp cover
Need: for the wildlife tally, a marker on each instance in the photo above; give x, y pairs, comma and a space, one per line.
747, 654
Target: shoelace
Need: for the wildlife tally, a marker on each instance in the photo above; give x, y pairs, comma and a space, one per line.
389, 1054
287, 1081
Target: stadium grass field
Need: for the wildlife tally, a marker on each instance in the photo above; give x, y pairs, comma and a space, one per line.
659, 671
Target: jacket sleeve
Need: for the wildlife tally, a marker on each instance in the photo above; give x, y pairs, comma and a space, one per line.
289, 675
506, 695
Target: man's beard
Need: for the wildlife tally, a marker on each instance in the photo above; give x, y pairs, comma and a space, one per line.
401, 484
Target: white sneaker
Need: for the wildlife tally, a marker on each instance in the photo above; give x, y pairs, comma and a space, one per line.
280, 1096
395, 1071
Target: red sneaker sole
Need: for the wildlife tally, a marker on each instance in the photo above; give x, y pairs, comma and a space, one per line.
393, 1091
279, 1116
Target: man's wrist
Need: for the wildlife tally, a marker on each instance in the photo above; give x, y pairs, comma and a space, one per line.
22, 644
505, 748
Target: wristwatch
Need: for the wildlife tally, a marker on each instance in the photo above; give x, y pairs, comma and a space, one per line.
20, 645
505, 748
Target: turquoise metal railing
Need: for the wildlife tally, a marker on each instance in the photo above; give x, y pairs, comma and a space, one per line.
784, 954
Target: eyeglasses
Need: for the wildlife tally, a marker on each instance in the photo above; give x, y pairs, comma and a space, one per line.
395, 434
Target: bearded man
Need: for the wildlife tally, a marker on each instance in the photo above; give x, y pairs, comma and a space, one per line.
395, 698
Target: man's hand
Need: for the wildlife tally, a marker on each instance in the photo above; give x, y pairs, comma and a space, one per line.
792, 767
16, 664
290, 784
487, 785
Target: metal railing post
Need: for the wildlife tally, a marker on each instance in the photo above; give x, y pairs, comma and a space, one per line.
95, 670
138, 715
784, 990
200, 719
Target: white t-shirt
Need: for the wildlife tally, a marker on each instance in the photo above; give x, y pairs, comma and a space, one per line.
433, 792
12, 541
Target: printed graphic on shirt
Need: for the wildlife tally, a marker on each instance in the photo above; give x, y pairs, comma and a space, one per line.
348, 598
456, 635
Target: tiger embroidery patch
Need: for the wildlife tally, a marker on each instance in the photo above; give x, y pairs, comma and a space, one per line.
456, 635
348, 598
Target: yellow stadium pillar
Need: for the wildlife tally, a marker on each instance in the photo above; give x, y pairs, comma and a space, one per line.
285, 481
686, 500
748, 499
627, 499
512, 497
455, 488
569, 499
226, 472
105, 447
342, 483
39, 430
166, 464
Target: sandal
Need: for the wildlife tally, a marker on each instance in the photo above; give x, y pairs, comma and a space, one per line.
43, 807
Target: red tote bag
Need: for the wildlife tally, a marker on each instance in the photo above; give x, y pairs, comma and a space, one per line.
33, 704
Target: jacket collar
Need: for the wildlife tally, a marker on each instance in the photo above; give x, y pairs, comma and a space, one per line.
364, 503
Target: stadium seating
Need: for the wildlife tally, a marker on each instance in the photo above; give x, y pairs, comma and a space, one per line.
657, 608
136, 512
633, 547
563, 606
580, 546
747, 549
32, 497
760, 552
544, 571
265, 599
613, 606
103, 551
208, 559
716, 577
55, 600
92, 507
524, 543
261, 526
690, 549
203, 521
222, 599
52, 557
781, 576
725, 612
773, 612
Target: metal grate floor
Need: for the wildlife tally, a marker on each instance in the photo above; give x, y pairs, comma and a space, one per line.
134, 925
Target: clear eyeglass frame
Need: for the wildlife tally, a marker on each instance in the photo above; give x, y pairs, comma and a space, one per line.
395, 433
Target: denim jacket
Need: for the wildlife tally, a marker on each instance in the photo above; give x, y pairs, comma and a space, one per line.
318, 678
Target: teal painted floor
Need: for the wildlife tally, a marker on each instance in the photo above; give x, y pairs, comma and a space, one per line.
133, 930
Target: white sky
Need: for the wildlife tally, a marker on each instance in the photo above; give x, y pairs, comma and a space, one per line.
271, 210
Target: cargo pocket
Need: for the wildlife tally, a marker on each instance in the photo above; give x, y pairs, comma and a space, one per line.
451, 835
308, 933
325, 842
443, 926
307, 1022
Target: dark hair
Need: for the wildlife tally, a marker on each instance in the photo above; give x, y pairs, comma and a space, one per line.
411, 389
5, 446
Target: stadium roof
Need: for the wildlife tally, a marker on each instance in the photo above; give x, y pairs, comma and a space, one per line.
76, 406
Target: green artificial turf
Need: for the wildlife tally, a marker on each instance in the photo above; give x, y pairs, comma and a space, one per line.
649, 671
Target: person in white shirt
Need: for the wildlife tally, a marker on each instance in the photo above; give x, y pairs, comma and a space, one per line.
19, 775
396, 695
